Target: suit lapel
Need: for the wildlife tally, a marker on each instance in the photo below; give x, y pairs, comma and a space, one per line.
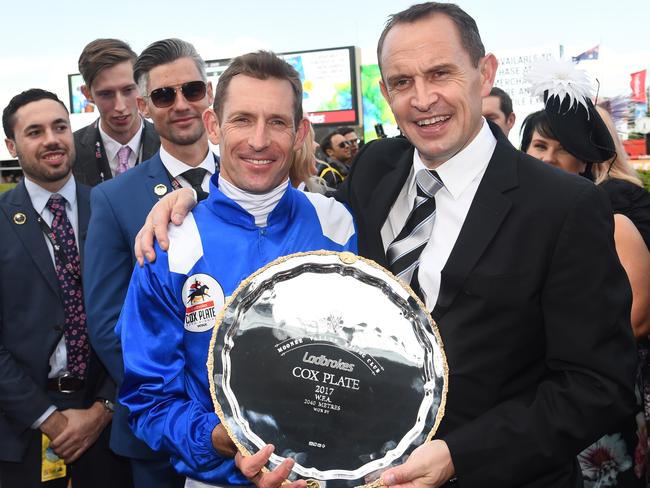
382, 199
93, 145
31, 234
486, 214
157, 176
103, 167
83, 216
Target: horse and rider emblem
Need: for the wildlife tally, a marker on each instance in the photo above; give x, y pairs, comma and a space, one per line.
203, 298
198, 292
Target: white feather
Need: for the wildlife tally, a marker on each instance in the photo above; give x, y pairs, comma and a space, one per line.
561, 78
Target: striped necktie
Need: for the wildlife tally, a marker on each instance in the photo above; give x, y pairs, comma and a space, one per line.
404, 252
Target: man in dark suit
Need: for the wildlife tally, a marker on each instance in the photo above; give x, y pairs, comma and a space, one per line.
519, 269
517, 265
51, 383
120, 138
120, 206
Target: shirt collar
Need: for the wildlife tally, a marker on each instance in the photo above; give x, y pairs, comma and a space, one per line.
459, 171
111, 146
229, 206
176, 167
40, 196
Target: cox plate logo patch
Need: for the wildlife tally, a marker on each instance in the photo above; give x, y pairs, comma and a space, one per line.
203, 298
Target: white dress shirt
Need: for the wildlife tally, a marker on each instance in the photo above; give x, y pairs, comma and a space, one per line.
39, 197
461, 176
111, 146
176, 167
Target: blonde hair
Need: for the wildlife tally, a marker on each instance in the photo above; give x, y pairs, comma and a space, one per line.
304, 160
619, 166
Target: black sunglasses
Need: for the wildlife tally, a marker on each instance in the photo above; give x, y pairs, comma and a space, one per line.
344, 143
164, 97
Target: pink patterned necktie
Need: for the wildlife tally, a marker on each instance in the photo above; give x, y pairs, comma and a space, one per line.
123, 159
68, 272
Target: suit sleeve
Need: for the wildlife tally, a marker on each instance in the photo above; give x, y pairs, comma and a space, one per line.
152, 331
21, 400
590, 362
107, 271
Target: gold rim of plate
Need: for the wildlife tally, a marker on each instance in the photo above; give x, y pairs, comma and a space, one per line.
346, 258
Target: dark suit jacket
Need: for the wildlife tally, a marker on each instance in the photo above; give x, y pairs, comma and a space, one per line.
31, 321
91, 166
533, 311
119, 208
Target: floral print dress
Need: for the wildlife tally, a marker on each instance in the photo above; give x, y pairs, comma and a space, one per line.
621, 459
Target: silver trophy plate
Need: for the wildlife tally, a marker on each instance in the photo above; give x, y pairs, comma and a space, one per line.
333, 360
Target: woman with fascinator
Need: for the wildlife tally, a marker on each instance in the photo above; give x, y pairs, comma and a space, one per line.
571, 135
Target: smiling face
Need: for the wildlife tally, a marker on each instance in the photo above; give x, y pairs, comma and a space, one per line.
115, 94
256, 133
551, 151
179, 124
43, 143
432, 86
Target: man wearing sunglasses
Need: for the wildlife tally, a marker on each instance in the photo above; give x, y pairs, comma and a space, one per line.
120, 138
351, 136
174, 93
337, 148
339, 155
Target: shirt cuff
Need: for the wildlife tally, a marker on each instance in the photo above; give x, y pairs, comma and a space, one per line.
39, 421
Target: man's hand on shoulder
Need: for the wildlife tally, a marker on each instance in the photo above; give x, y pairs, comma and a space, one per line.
173, 207
428, 466
82, 430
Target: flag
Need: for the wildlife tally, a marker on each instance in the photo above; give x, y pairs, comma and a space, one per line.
637, 83
588, 54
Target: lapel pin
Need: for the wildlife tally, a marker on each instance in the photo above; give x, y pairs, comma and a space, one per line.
160, 189
20, 218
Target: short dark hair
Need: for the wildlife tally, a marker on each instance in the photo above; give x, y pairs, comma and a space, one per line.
101, 54
537, 121
164, 52
20, 100
505, 102
346, 130
465, 24
326, 142
261, 65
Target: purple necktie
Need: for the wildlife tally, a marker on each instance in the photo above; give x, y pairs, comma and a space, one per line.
68, 272
123, 159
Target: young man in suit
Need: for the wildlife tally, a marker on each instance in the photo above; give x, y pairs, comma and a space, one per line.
120, 138
174, 93
51, 382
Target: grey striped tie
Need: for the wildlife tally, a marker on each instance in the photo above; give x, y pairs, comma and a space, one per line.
404, 252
